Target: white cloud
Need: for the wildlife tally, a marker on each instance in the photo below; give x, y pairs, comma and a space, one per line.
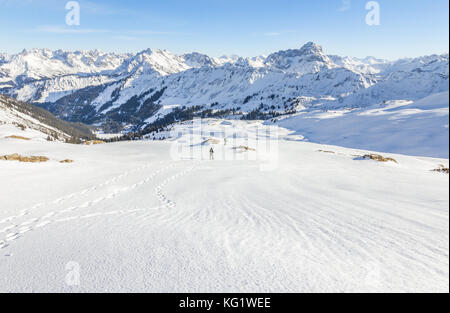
345, 6
278, 33
151, 32
272, 34
57, 29
119, 35
127, 38
95, 8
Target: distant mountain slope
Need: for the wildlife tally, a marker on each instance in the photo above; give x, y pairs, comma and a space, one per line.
133, 90
20, 118
418, 128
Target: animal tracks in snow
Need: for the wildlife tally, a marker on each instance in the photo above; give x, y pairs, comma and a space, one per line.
76, 194
159, 189
16, 230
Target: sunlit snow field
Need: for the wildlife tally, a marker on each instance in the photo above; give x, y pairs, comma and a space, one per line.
291, 216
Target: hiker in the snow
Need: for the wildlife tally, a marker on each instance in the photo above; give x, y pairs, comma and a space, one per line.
211, 154
224, 141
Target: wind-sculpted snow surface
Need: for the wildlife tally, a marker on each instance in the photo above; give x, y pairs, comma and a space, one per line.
95, 87
152, 216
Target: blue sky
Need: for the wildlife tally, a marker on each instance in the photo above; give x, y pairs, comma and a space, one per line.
218, 27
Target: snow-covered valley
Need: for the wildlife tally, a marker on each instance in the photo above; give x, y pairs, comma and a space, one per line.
284, 215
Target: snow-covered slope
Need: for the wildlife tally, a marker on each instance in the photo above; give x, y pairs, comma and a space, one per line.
369, 65
158, 217
33, 123
130, 89
416, 128
148, 61
407, 127
16, 123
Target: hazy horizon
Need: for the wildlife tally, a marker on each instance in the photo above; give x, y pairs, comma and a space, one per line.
215, 56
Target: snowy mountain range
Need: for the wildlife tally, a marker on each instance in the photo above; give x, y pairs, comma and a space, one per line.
136, 90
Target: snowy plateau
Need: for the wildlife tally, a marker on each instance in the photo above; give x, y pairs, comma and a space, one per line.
343, 188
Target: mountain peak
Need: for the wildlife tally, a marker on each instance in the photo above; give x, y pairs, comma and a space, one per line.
196, 60
308, 59
145, 51
150, 61
311, 47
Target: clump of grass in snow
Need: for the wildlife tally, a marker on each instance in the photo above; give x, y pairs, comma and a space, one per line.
325, 151
67, 161
20, 158
244, 148
17, 137
94, 142
441, 169
379, 158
